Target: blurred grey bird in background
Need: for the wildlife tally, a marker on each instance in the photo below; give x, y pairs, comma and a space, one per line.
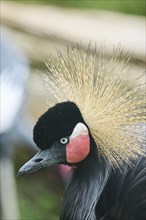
14, 127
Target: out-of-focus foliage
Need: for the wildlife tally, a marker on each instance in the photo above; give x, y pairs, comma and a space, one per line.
43, 205
137, 7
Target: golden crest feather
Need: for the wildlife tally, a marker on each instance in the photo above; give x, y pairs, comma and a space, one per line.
111, 106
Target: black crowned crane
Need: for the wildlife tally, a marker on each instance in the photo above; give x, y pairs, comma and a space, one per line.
96, 127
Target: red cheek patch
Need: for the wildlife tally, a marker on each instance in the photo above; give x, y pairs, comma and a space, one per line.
77, 149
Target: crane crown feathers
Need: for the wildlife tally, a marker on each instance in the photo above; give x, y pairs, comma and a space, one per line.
112, 106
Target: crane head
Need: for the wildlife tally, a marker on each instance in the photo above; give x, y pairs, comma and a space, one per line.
95, 96
62, 137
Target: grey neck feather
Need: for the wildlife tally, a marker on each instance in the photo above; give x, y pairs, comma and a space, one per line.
84, 190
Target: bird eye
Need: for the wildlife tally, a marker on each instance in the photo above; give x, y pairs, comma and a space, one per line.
64, 140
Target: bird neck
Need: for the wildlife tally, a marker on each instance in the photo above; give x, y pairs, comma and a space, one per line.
84, 190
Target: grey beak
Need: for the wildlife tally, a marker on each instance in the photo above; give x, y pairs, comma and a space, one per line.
40, 160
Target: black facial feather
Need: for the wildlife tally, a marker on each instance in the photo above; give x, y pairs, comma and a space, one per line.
56, 123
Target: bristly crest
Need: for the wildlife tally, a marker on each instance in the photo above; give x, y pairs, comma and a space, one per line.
112, 107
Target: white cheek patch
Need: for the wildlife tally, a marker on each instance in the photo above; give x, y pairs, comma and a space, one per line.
78, 146
80, 129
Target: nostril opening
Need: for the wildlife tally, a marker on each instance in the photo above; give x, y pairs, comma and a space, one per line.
38, 160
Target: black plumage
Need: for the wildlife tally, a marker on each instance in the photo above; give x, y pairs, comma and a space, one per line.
56, 123
124, 196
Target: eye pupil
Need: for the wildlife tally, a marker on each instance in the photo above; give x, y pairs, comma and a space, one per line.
64, 140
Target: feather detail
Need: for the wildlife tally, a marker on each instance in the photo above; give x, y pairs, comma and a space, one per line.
112, 107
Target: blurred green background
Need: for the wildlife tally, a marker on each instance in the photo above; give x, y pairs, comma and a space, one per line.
137, 7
